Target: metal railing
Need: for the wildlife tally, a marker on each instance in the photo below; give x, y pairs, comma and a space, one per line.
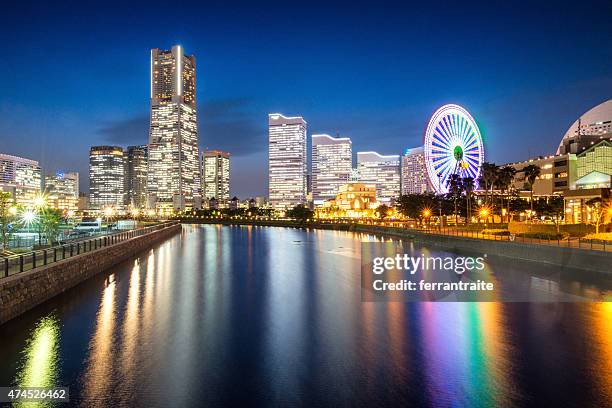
569, 242
30, 260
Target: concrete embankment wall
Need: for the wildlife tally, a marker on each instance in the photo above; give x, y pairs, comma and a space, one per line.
23, 291
596, 261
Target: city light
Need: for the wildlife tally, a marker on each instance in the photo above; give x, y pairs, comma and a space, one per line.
28, 217
426, 213
40, 201
12, 210
484, 212
109, 211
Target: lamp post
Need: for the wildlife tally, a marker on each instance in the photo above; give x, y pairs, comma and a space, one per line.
440, 184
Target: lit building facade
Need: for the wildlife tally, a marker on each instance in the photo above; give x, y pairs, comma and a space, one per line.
414, 172
332, 163
287, 161
136, 165
595, 159
106, 178
382, 172
216, 175
173, 179
557, 174
21, 177
62, 190
353, 200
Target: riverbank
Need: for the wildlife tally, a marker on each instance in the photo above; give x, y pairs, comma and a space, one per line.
23, 291
558, 255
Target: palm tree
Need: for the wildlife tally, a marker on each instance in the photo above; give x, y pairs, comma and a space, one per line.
505, 177
468, 187
532, 172
455, 188
488, 175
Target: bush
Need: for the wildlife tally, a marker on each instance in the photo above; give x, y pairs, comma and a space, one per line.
544, 235
602, 236
496, 231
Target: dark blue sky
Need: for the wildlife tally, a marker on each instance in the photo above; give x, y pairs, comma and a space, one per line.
75, 76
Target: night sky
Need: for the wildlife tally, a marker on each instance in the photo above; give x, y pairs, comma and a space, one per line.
73, 76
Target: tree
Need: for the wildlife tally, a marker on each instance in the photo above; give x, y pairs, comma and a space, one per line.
488, 177
7, 217
300, 212
505, 177
412, 205
532, 172
49, 220
455, 188
600, 210
552, 207
468, 187
382, 211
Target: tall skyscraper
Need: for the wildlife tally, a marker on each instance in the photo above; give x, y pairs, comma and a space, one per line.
287, 160
216, 175
173, 175
414, 172
332, 163
21, 177
62, 190
381, 171
136, 176
106, 177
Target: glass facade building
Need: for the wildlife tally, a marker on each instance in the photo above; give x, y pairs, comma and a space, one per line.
287, 161
414, 173
21, 177
173, 178
597, 158
106, 178
216, 175
136, 176
382, 172
332, 163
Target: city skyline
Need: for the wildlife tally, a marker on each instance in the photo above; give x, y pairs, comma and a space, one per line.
521, 104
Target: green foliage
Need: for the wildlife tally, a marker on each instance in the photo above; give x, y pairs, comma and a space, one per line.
49, 220
300, 212
496, 231
552, 236
7, 218
382, 211
412, 205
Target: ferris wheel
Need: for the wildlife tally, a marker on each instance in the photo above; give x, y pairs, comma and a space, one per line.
453, 145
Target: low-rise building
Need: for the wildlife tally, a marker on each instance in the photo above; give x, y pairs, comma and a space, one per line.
353, 200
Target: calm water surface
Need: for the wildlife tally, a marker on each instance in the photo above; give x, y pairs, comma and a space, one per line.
273, 316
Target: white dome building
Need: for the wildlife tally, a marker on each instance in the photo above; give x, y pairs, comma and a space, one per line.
592, 126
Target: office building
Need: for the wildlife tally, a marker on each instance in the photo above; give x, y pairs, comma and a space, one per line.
332, 163
414, 172
216, 175
382, 172
136, 166
106, 178
21, 177
61, 190
287, 161
557, 174
173, 179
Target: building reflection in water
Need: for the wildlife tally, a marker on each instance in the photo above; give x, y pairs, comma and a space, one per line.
98, 378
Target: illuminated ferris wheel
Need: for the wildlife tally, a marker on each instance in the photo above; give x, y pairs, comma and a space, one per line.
453, 145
